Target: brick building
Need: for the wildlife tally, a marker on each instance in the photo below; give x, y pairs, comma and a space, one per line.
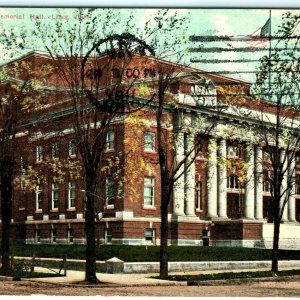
209, 200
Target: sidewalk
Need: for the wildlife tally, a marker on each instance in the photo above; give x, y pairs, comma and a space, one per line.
74, 277
110, 279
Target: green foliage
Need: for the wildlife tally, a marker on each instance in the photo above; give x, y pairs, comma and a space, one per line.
151, 253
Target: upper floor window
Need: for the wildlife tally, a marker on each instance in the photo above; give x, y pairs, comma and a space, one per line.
199, 195
55, 149
297, 186
72, 148
54, 195
233, 151
110, 139
233, 182
149, 191
267, 186
199, 145
71, 193
39, 152
39, 197
267, 157
109, 191
149, 140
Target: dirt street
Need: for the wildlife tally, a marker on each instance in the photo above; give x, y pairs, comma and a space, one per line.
289, 288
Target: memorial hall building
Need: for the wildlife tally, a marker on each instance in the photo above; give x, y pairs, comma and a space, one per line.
218, 201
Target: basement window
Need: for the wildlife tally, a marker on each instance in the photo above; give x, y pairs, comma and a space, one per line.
149, 234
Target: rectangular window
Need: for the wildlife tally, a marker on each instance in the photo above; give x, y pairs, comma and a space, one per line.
39, 197
233, 182
149, 234
267, 157
55, 149
233, 151
110, 139
53, 235
37, 235
199, 145
109, 191
267, 186
54, 195
149, 191
149, 140
199, 195
39, 152
72, 148
70, 235
72, 193
107, 235
297, 185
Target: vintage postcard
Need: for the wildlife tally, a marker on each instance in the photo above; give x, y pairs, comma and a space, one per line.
150, 151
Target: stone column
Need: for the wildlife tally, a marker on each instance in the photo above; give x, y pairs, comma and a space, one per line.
258, 156
178, 191
212, 179
222, 180
291, 202
249, 185
190, 176
283, 160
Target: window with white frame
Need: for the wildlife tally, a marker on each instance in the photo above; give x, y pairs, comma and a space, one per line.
233, 151
149, 191
297, 186
267, 186
109, 191
267, 157
233, 182
53, 235
39, 152
39, 197
54, 195
37, 235
149, 234
71, 193
199, 195
149, 140
55, 149
110, 139
200, 144
107, 235
72, 148
70, 236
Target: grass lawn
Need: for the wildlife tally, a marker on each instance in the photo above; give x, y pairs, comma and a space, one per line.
151, 253
231, 275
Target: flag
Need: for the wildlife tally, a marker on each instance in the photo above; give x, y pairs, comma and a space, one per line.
261, 36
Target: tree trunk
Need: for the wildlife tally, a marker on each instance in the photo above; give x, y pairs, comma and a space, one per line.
6, 212
276, 214
90, 267
276, 232
275, 251
164, 230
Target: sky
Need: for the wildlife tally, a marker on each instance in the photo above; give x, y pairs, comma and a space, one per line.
217, 22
